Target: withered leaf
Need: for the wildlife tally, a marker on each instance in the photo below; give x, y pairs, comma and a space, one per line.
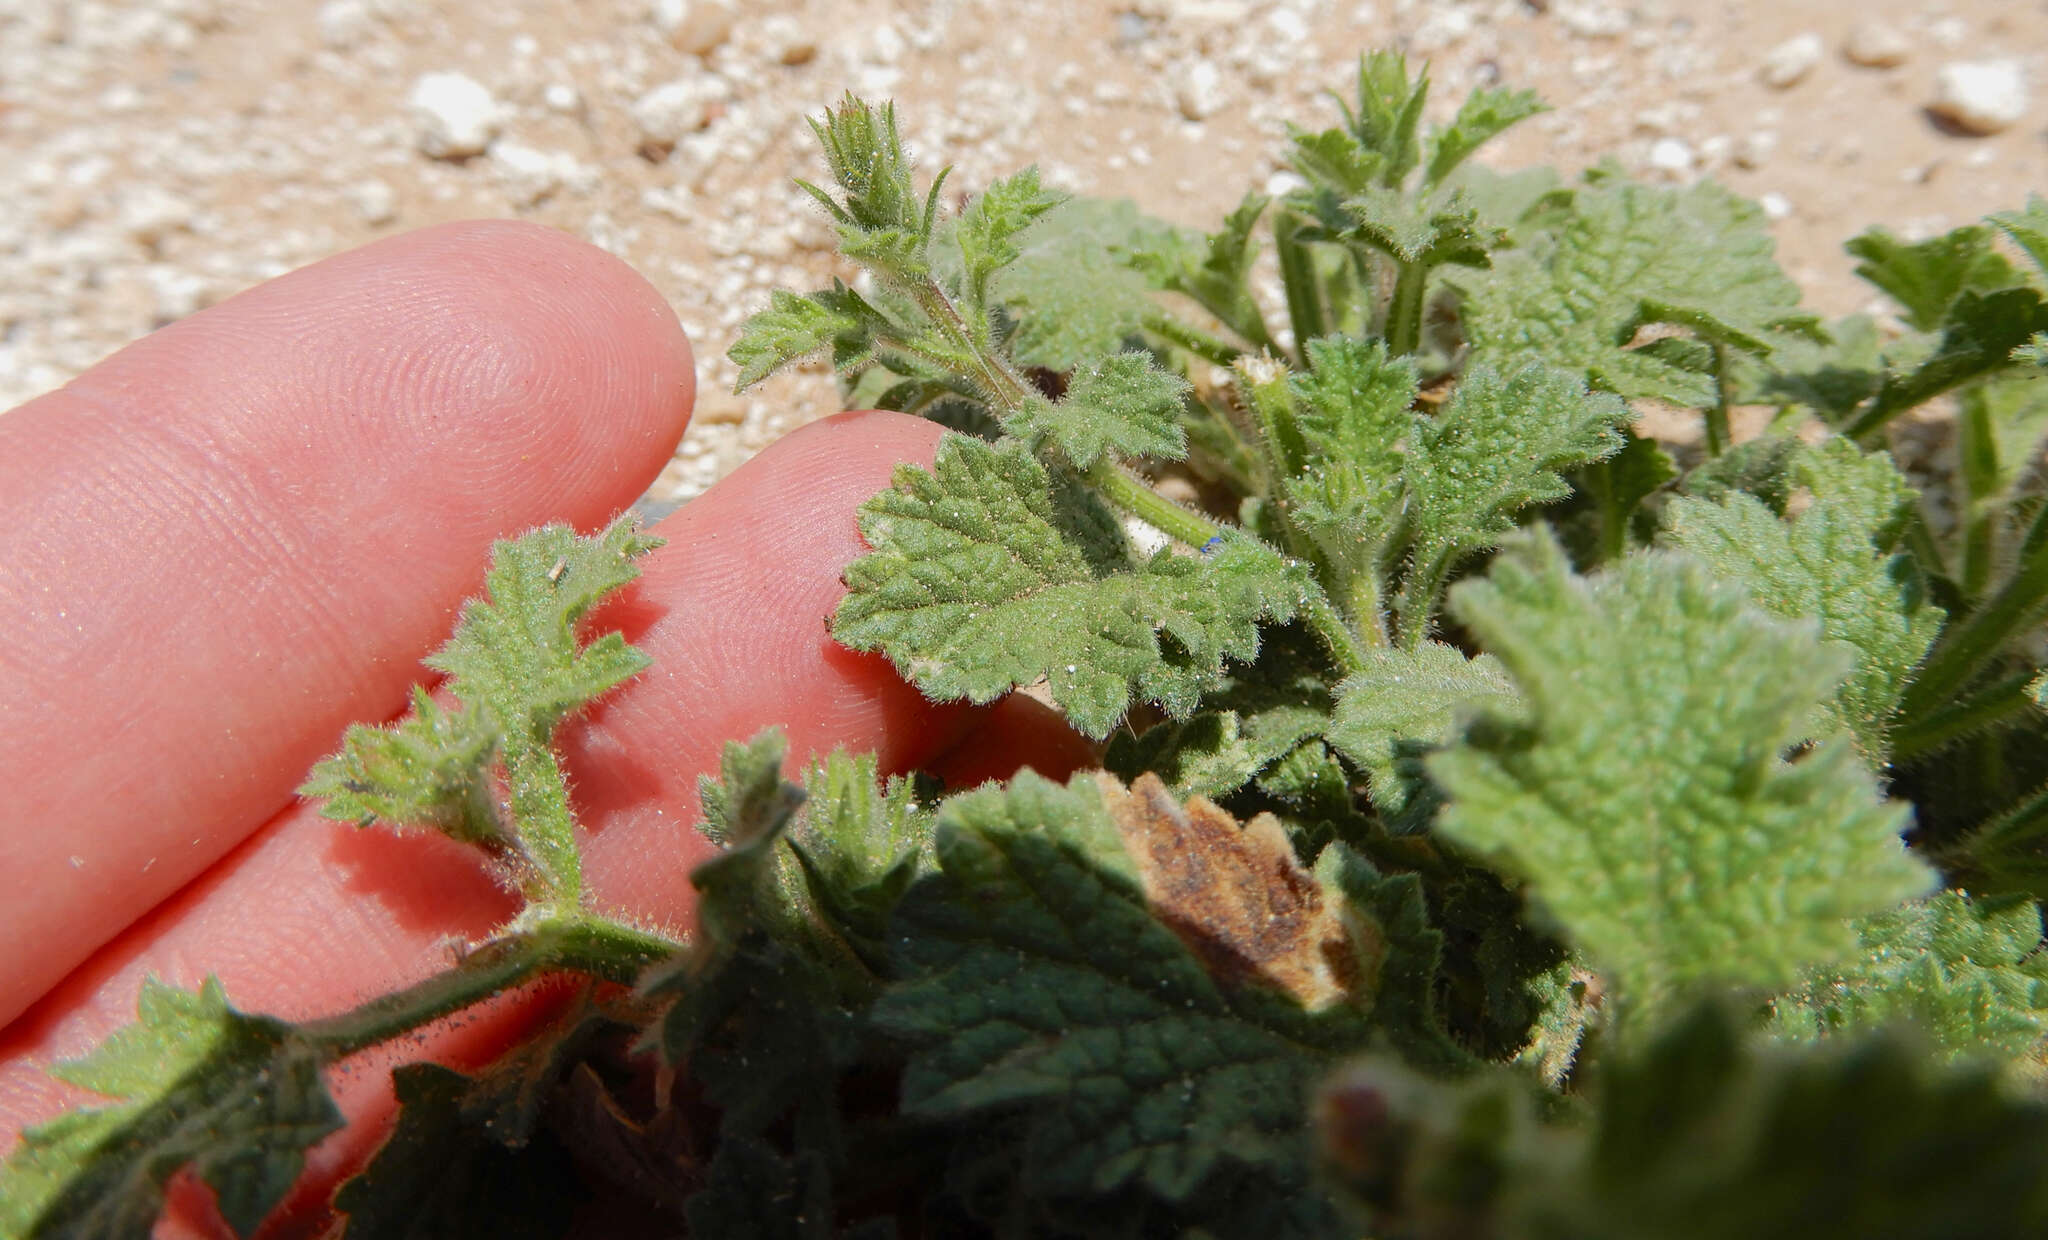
1238, 897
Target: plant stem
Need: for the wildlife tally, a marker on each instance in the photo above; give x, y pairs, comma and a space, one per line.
1966, 649
1404, 308
1005, 387
1368, 613
1193, 339
593, 945
1322, 619
1418, 599
1977, 470
1298, 281
1717, 415
1993, 705
1128, 491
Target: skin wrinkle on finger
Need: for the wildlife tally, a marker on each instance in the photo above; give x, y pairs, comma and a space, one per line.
343, 511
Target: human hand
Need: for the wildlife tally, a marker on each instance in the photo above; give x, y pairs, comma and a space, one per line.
230, 540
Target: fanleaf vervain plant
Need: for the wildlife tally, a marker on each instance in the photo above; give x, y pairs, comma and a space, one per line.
1512, 824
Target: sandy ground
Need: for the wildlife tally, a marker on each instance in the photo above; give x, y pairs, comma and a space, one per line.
163, 154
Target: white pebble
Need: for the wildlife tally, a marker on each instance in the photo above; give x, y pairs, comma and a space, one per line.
694, 26
373, 200
672, 110
1776, 206
1755, 149
529, 174
789, 41
562, 97
1671, 155
1591, 20
1980, 96
1199, 94
456, 115
1788, 63
344, 23
150, 213
1875, 45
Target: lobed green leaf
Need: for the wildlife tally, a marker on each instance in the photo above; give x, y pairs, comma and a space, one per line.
237, 1098
977, 586
1643, 795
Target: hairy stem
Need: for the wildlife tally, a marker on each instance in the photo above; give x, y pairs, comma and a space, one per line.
1966, 649
1404, 308
604, 949
1717, 413
1006, 388
1985, 709
1298, 281
1129, 492
1193, 339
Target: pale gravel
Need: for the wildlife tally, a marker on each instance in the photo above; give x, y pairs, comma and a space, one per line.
167, 153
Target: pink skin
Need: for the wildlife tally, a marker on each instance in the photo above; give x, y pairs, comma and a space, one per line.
233, 538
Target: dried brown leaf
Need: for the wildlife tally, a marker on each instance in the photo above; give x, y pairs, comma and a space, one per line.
1236, 895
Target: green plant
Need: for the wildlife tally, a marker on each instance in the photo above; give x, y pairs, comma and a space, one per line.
1511, 825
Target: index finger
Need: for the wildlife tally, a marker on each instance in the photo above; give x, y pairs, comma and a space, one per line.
225, 542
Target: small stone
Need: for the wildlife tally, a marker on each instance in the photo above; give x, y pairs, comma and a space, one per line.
698, 27
150, 214
1776, 206
673, 110
1875, 45
373, 200
344, 23
1593, 20
1671, 156
456, 115
1755, 149
789, 41
530, 175
562, 97
1980, 96
1199, 94
1788, 63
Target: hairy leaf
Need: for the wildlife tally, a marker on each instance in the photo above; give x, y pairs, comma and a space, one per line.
1354, 417
194, 1083
516, 652
1825, 564
1386, 114
2028, 229
1403, 705
1626, 256
1926, 277
442, 1171
988, 230
1123, 403
1701, 1135
1484, 115
1430, 232
974, 588
1076, 298
1644, 796
1215, 271
1040, 976
792, 328
1496, 448
429, 770
1969, 973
